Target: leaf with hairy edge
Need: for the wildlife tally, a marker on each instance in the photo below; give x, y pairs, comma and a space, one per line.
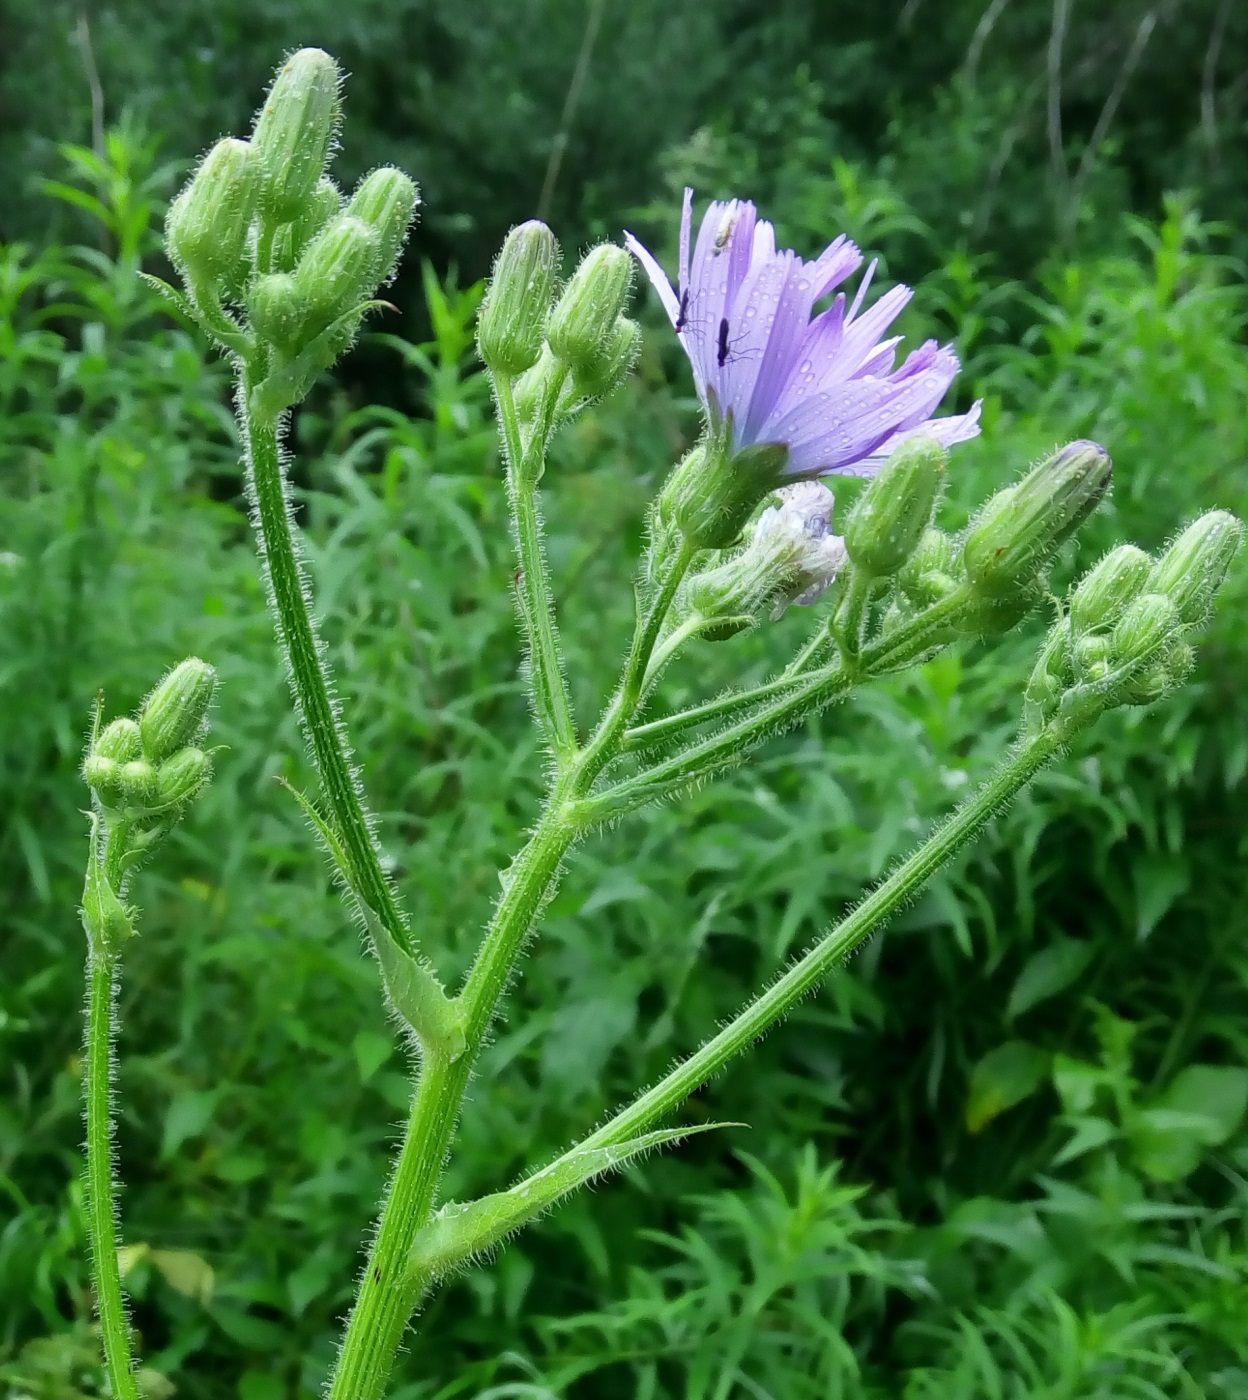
460, 1230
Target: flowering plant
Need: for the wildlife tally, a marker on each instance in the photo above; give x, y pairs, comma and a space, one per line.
279, 268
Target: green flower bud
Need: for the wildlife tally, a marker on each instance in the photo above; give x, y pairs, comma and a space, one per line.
711, 494
386, 200
118, 741
582, 325
103, 774
137, 783
513, 315
325, 201
207, 225
1106, 589
599, 380
1017, 532
338, 271
181, 778
1192, 570
1150, 625
929, 575
1051, 677
175, 713
279, 311
889, 517
1093, 657
295, 131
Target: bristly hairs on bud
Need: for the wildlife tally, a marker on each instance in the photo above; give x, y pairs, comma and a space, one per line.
511, 325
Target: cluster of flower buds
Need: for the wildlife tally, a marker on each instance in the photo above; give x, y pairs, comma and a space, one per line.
146, 772
1125, 636
998, 566
565, 348
790, 556
263, 229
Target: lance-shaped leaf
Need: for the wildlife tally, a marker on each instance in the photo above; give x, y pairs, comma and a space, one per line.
461, 1230
412, 987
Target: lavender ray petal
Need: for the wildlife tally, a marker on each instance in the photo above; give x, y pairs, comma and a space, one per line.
838, 261
788, 313
658, 278
686, 227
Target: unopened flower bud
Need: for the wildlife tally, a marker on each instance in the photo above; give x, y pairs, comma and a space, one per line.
1150, 625
386, 200
174, 714
279, 311
606, 375
888, 519
118, 741
1192, 570
712, 493
513, 316
1093, 657
295, 131
582, 325
1016, 533
323, 204
929, 574
137, 783
182, 777
1106, 590
103, 774
207, 225
338, 271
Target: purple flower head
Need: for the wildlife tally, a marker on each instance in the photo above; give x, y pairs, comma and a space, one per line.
770, 371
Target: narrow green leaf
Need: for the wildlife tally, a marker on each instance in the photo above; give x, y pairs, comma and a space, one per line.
460, 1231
1048, 972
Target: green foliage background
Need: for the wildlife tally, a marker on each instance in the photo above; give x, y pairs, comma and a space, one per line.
1004, 1154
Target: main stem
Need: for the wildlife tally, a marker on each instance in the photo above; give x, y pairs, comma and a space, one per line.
309, 679
385, 1300
101, 1189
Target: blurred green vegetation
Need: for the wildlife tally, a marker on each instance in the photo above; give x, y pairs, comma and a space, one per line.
1004, 1154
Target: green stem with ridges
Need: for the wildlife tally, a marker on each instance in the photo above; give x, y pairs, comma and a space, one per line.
550, 688
101, 1187
309, 678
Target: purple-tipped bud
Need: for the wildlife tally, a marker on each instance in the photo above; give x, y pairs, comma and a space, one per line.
1106, 590
512, 323
1017, 532
295, 132
1192, 570
889, 517
582, 325
386, 200
207, 225
176, 711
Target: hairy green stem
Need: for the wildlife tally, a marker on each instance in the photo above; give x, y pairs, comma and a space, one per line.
308, 675
101, 1188
814, 966
387, 1294
385, 1300
550, 688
